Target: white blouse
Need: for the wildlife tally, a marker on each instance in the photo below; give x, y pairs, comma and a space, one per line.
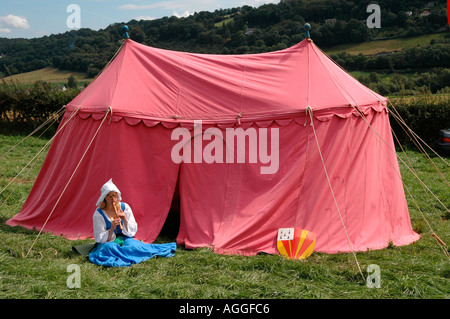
100, 231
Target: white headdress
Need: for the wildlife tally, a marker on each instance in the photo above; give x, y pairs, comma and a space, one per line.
106, 189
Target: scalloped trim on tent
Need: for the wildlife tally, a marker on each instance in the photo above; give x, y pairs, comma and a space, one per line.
266, 121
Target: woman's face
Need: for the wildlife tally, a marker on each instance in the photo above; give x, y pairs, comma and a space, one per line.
111, 198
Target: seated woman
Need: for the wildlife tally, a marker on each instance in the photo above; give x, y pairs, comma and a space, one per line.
114, 229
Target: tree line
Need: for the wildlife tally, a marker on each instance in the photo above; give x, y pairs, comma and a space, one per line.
24, 107
234, 31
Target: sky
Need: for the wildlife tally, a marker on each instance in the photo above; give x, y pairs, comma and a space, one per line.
33, 18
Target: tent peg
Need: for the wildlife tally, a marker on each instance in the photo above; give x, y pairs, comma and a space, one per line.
125, 29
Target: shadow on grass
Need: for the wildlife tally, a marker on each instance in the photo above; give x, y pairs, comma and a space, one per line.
15, 229
59, 248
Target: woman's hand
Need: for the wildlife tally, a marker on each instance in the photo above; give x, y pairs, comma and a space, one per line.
114, 223
122, 216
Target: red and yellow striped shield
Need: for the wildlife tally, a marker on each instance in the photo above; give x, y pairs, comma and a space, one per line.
295, 243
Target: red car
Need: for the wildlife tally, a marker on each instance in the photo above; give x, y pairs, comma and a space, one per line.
443, 143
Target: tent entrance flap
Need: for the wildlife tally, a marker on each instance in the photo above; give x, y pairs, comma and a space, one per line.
171, 226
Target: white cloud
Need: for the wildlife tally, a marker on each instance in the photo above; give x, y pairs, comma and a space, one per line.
257, 3
139, 7
5, 30
12, 21
144, 18
188, 6
168, 5
184, 15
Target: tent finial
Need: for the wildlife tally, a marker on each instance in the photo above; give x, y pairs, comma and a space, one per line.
125, 29
307, 28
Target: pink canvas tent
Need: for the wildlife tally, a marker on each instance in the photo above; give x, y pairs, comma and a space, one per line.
332, 170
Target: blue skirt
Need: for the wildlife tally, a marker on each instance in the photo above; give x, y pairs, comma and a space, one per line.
128, 252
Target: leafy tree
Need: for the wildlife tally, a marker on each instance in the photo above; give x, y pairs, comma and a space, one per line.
226, 31
71, 82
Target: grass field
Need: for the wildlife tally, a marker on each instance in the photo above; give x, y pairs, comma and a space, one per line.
419, 271
383, 46
48, 74
228, 19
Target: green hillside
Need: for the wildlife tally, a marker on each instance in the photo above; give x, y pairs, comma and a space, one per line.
48, 74
409, 55
241, 30
388, 45
369, 48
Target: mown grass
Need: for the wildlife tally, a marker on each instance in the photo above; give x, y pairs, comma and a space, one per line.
419, 271
48, 74
385, 45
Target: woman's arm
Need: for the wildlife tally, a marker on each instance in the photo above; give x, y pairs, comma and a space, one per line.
101, 234
129, 223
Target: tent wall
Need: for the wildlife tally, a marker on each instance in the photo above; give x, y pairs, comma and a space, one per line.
132, 155
231, 207
234, 209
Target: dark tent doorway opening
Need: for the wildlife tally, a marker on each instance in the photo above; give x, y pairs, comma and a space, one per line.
171, 226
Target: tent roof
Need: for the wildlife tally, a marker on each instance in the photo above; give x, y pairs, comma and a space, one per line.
150, 83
